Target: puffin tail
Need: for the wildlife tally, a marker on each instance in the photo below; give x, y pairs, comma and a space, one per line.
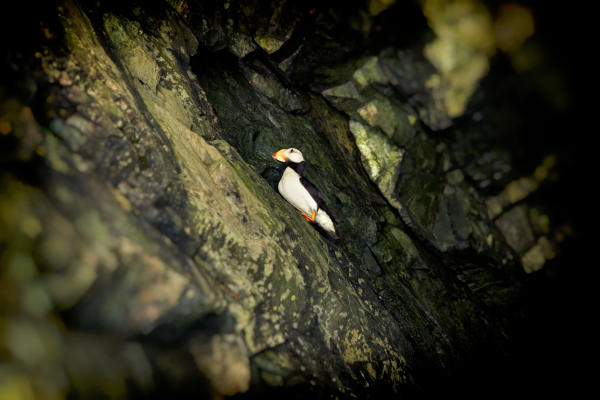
324, 221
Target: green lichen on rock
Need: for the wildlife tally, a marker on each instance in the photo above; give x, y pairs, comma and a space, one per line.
403, 161
380, 158
141, 219
249, 243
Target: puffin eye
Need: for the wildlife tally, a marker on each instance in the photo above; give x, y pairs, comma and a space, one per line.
291, 150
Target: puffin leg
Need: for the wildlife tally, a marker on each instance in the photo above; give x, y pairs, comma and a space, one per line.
306, 217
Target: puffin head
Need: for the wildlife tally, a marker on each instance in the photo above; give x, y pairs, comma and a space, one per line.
289, 155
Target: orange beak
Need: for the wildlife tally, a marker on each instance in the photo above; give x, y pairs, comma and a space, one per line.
279, 156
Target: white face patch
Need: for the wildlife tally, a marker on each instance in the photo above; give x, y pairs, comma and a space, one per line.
294, 155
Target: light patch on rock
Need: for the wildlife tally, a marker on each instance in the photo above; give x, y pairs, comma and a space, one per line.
381, 114
461, 51
380, 158
516, 229
241, 44
345, 90
268, 43
533, 260
223, 360
521, 188
355, 347
370, 73
376, 7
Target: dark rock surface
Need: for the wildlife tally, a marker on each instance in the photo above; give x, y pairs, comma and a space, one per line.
144, 248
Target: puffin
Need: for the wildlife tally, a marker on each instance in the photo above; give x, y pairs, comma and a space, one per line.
300, 193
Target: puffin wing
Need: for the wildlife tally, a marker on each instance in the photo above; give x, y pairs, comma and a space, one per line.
314, 192
323, 219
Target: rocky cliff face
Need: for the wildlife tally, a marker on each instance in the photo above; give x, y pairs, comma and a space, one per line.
144, 246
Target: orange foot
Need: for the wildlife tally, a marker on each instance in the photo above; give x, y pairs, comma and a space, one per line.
306, 217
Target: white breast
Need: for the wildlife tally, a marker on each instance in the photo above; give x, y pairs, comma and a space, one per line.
295, 193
